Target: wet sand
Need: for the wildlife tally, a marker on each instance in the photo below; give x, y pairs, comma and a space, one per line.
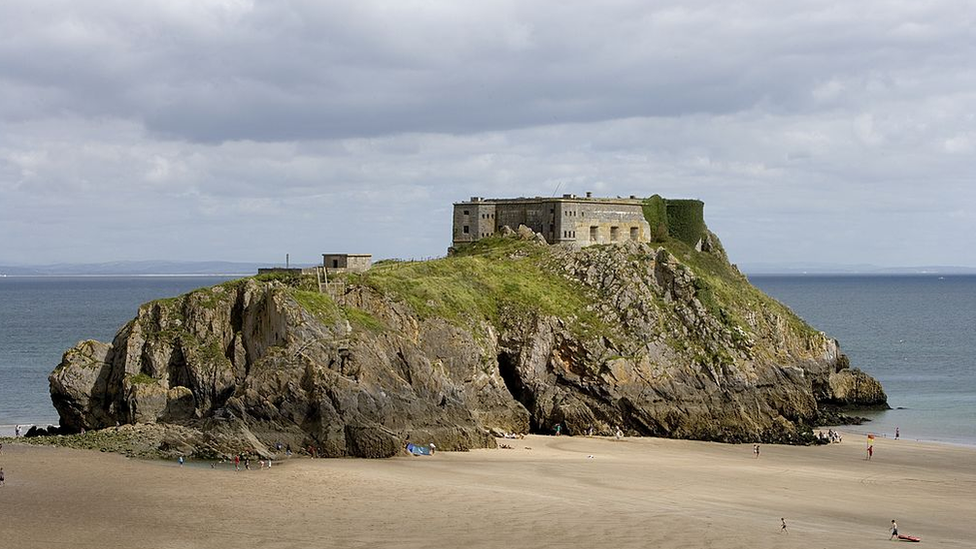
630, 493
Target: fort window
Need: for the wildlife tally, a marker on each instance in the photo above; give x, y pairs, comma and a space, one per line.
466, 229
634, 233
335, 263
593, 233
614, 232
465, 212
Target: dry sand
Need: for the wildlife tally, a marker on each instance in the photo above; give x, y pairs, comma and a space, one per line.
631, 493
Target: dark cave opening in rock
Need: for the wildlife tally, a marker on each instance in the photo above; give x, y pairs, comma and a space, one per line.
515, 386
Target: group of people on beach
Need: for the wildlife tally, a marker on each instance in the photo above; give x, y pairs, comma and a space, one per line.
244, 459
830, 436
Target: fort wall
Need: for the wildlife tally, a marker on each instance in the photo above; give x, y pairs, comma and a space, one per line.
580, 221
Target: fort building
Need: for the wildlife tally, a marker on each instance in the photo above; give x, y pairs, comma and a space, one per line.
571, 219
347, 263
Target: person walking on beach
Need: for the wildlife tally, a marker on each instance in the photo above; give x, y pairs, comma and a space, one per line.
897, 433
180, 461
755, 450
870, 452
1, 476
894, 530
783, 527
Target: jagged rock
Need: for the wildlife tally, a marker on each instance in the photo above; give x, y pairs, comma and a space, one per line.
79, 383
525, 233
854, 389
250, 364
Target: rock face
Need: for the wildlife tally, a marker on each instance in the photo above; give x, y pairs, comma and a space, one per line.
651, 349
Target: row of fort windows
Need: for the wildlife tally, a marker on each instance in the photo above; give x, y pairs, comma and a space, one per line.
594, 233
483, 216
568, 213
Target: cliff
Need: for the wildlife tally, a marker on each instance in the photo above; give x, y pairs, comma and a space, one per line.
506, 335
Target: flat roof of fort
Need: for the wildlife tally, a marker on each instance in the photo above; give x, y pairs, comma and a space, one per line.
564, 198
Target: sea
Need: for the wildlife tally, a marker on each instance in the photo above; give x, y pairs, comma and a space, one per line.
42, 317
916, 334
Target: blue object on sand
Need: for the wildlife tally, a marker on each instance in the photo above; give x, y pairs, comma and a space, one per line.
418, 450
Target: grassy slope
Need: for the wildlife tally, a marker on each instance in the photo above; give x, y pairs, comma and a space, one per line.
493, 279
729, 296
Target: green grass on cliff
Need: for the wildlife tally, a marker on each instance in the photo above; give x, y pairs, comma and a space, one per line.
364, 320
329, 312
493, 279
142, 379
727, 294
319, 305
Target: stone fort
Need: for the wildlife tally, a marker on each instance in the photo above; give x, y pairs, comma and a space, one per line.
582, 221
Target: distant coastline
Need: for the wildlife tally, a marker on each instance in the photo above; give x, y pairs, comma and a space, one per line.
757, 269
139, 268
129, 275
160, 268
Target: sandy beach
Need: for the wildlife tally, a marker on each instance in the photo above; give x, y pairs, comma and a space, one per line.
545, 492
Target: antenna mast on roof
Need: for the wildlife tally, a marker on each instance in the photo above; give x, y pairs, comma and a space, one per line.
556, 190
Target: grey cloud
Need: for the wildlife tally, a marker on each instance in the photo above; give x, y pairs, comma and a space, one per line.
242, 130
215, 71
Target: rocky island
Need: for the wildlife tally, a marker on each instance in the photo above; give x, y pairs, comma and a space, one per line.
507, 334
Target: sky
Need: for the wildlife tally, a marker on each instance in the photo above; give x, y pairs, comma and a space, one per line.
814, 131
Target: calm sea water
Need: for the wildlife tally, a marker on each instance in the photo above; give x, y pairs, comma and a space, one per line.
40, 318
916, 334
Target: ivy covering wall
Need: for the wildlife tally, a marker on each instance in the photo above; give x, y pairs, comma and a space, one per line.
682, 219
656, 214
686, 220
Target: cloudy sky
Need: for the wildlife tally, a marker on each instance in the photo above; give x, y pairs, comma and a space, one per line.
815, 131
